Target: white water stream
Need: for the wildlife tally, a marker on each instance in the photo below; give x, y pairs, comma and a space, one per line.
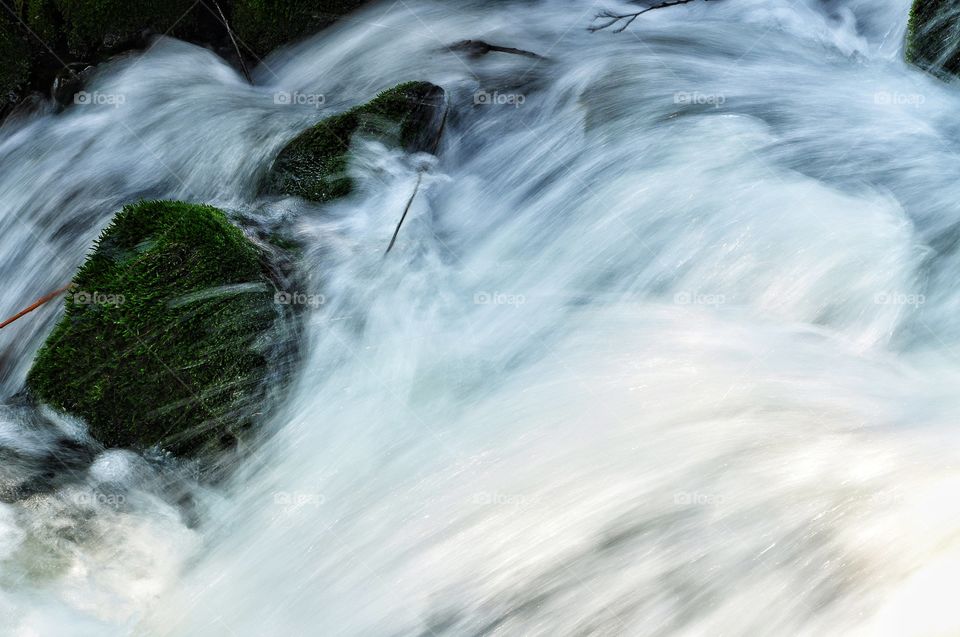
667, 346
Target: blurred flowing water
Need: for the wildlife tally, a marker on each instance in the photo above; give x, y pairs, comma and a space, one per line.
667, 346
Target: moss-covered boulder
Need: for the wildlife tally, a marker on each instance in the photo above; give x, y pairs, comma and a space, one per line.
933, 36
314, 164
165, 337
263, 25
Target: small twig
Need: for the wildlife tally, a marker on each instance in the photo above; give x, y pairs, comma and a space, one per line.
243, 66
416, 189
612, 18
38, 303
404, 215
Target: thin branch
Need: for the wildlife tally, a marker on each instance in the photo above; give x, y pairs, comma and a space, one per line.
223, 18
405, 211
416, 188
38, 303
609, 18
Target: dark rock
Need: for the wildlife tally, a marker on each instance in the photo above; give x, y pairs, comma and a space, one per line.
314, 164
933, 36
69, 82
479, 48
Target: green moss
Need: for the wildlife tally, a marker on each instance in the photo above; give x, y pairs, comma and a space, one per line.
314, 164
161, 340
933, 36
14, 61
263, 25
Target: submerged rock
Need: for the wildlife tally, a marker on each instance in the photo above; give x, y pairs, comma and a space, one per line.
933, 36
166, 339
314, 164
479, 48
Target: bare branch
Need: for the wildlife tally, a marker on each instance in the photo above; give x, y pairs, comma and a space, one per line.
609, 18
223, 18
45, 299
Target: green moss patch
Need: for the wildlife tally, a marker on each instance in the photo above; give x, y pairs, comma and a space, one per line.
314, 164
933, 36
163, 337
263, 25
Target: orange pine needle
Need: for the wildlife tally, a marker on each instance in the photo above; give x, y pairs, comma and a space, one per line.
39, 302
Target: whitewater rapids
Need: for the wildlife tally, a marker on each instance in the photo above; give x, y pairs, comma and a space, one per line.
667, 345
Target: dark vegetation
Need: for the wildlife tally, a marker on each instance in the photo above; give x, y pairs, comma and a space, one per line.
41, 40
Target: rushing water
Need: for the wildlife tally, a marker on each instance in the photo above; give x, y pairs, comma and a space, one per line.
667, 346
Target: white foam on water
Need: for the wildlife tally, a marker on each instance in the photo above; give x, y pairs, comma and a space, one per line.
665, 348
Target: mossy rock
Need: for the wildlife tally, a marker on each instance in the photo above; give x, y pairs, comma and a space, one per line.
314, 164
165, 337
264, 25
14, 61
933, 36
